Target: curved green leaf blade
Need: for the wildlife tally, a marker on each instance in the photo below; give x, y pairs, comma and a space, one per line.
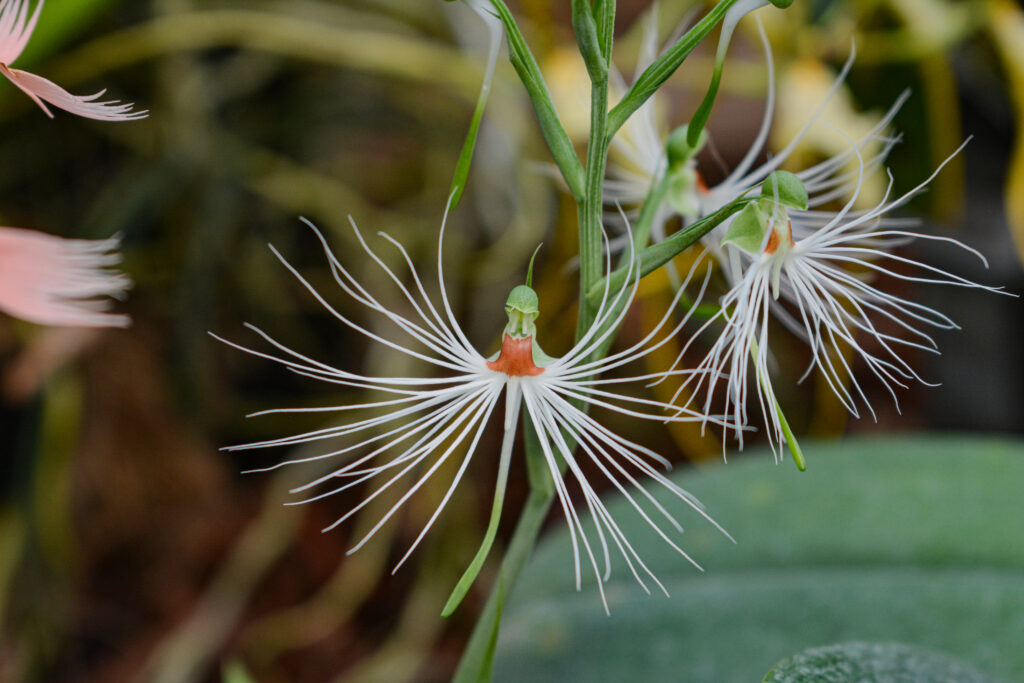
914, 540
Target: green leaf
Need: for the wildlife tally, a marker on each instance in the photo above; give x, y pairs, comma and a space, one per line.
912, 540
786, 189
466, 155
604, 13
550, 125
663, 67
747, 229
657, 255
873, 662
585, 28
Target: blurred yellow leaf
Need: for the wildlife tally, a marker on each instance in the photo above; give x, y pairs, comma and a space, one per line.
1006, 24
570, 90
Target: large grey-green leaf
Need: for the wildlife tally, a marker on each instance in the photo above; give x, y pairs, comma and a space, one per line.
873, 663
916, 540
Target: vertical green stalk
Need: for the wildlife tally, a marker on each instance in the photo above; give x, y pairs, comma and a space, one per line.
475, 665
590, 211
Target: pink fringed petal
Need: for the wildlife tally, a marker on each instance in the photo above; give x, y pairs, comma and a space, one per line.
39, 89
16, 27
55, 281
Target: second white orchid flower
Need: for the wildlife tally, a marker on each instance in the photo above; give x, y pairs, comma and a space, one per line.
819, 285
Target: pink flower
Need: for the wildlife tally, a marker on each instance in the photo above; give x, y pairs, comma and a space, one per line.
55, 281
16, 28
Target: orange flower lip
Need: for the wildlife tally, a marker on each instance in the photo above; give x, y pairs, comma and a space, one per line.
516, 358
774, 241
702, 186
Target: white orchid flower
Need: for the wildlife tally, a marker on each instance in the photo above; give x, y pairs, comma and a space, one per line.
429, 420
821, 280
643, 148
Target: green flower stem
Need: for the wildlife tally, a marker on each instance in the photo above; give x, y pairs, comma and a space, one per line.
591, 209
660, 70
469, 576
475, 665
645, 222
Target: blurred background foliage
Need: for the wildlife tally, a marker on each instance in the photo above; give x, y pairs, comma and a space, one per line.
132, 549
